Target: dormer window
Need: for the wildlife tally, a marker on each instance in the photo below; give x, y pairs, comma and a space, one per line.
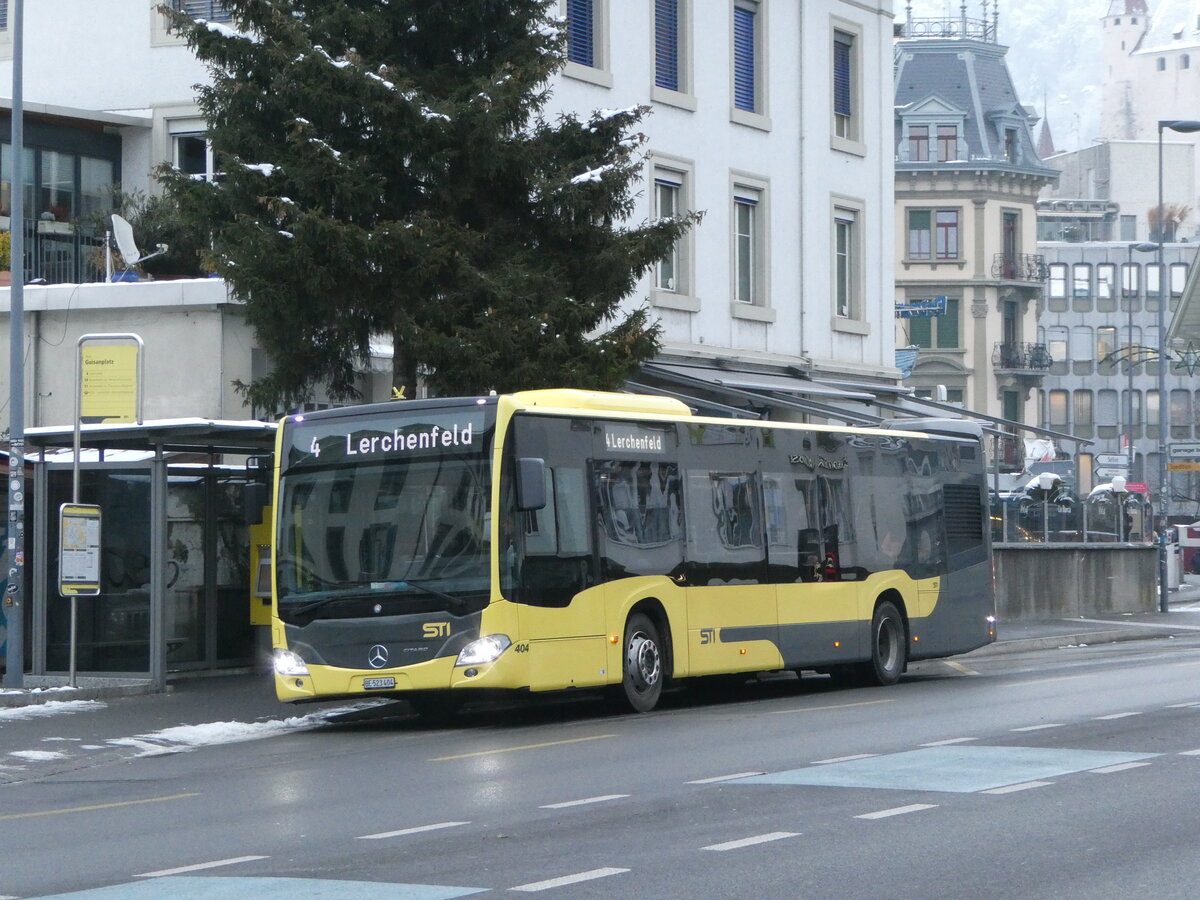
918, 143
947, 142
1010, 144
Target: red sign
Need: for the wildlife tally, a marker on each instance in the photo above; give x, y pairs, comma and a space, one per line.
1136, 487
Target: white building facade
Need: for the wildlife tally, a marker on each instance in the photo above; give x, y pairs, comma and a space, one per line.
770, 116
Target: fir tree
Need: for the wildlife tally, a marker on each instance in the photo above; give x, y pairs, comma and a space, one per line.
387, 170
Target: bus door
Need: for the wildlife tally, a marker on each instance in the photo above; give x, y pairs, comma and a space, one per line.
731, 605
813, 555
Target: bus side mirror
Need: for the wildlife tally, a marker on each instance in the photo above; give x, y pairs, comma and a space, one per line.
255, 496
531, 484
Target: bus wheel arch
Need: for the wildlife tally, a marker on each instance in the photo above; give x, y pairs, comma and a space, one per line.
646, 658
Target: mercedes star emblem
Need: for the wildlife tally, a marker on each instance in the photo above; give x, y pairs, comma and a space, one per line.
377, 656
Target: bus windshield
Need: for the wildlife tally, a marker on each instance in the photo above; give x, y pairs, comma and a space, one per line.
386, 516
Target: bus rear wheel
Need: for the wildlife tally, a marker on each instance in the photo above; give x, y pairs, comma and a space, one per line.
888, 646
642, 664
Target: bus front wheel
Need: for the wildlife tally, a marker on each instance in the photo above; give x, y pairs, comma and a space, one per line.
642, 666
888, 646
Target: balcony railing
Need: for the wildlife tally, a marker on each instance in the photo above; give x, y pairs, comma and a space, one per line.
60, 253
1021, 356
949, 27
1020, 267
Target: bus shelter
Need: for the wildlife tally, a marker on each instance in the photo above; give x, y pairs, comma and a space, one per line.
175, 546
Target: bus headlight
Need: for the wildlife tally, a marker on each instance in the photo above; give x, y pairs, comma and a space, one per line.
484, 650
289, 663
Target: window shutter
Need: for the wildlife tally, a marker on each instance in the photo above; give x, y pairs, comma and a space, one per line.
841, 76
947, 327
579, 32
743, 58
208, 10
666, 44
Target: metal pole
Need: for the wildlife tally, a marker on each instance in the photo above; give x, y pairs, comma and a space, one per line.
1163, 407
14, 603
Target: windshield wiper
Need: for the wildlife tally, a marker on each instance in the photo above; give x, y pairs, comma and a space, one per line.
360, 590
455, 602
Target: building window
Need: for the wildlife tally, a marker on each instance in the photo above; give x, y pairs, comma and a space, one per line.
845, 63
1057, 286
947, 141
1161, 63
1130, 279
1185, 61
941, 332
668, 72
1081, 343
1128, 226
1179, 273
1106, 343
1058, 408
1106, 276
1056, 342
1081, 280
1010, 144
933, 234
918, 143
208, 10
581, 32
748, 51
746, 248
1083, 409
846, 266
1153, 286
666, 196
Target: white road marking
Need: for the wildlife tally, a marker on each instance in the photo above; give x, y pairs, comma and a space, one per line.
1120, 767
948, 742
838, 759
584, 801
959, 667
1190, 753
897, 811
751, 841
808, 709
403, 831
1013, 788
717, 778
567, 879
1039, 727
1124, 715
216, 863
1188, 705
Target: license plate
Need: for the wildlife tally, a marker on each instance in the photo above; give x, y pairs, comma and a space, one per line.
375, 684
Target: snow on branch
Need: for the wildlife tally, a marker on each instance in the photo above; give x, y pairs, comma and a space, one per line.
225, 31
592, 175
267, 169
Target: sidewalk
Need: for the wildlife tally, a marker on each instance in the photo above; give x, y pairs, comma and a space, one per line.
239, 694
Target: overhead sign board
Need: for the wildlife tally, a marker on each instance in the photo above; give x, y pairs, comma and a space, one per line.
108, 382
934, 306
1112, 460
1187, 466
1185, 450
1111, 471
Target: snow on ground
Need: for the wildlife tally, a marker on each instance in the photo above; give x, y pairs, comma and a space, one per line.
52, 708
37, 755
181, 738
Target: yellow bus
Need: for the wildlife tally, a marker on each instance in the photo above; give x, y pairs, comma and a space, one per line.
552, 540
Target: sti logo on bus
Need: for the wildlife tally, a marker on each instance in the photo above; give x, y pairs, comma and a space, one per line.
435, 629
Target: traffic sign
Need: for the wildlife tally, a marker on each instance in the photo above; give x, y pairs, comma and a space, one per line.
1193, 466
1185, 450
1119, 460
1111, 472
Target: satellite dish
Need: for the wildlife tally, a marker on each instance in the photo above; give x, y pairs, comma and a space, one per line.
123, 234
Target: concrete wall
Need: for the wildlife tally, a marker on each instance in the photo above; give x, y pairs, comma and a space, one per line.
1047, 581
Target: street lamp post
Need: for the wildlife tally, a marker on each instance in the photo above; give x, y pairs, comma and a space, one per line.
1183, 126
1140, 247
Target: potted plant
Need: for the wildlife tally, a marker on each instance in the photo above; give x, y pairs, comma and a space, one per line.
5, 254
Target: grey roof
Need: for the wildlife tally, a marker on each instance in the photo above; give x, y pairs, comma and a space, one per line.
1173, 26
972, 76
